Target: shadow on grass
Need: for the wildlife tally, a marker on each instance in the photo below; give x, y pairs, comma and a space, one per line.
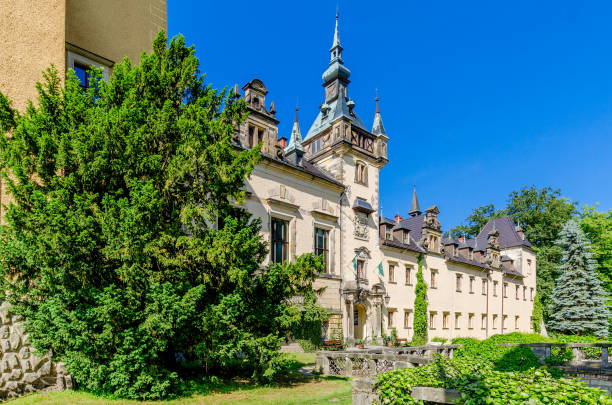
214, 385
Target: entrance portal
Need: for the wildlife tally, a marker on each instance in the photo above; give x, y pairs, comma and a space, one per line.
359, 321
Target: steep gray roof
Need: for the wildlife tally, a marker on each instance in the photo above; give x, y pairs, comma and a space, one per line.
337, 108
415, 224
508, 237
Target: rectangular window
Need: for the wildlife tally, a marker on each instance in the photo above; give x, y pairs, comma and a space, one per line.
406, 237
392, 273
505, 290
388, 232
524, 293
280, 241
531, 290
458, 282
315, 146
517, 289
82, 71
432, 319
516, 322
457, 317
471, 285
408, 276
504, 319
445, 320
483, 321
361, 269
321, 245
494, 321
390, 318
484, 286
407, 323
471, 321
495, 288
528, 266
356, 317
433, 279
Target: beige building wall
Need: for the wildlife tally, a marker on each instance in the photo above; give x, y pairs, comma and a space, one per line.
114, 29
33, 38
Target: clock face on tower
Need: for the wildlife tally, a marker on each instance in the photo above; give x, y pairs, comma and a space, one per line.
331, 91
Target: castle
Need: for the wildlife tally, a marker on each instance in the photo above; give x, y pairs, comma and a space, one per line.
315, 193
320, 193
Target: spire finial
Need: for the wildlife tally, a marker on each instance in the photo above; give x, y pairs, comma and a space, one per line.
376, 99
415, 209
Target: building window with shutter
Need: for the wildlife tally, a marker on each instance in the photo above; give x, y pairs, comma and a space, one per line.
361, 269
457, 318
321, 243
484, 286
433, 283
471, 285
445, 320
408, 275
407, 323
392, 273
280, 241
458, 283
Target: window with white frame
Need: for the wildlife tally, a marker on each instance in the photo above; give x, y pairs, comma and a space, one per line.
82, 67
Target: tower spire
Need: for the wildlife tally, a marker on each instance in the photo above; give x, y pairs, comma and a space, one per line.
378, 128
415, 209
295, 142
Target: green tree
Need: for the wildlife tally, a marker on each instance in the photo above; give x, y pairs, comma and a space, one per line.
578, 300
419, 321
475, 221
597, 227
110, 251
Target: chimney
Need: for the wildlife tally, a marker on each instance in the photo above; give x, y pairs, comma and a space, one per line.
398, 218
282, 142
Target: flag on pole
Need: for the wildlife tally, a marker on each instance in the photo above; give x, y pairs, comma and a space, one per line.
380, 269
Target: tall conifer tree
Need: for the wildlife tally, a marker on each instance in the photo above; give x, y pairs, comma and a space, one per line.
578, 300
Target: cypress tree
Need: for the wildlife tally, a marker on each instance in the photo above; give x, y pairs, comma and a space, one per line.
578, 300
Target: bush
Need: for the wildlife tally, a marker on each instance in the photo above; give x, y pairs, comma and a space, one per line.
592, 353
485, 372
440, 340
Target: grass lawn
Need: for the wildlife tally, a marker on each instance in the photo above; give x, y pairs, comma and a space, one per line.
301, 390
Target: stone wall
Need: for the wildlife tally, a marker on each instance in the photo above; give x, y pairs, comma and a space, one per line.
22, 372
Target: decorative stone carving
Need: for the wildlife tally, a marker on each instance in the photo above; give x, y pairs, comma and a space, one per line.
431, 218
22, 371
361, 225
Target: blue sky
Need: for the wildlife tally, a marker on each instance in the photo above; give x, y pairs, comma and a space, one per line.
478, 98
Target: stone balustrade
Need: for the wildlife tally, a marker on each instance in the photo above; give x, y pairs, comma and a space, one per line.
543, 350
374, 361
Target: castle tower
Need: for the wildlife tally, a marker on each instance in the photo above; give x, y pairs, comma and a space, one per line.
339, 142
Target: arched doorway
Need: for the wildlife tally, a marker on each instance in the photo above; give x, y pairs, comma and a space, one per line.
359, 321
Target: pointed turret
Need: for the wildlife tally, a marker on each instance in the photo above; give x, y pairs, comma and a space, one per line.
415, 209
378, 128
336, 69
295, 142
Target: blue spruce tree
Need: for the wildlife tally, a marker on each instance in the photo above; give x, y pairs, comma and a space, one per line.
578, 300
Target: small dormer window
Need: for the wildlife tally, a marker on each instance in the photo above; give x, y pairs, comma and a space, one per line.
315, 146
255, 102
388, 232
406, 238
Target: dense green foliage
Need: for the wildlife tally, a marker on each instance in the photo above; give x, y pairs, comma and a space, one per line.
308, 333
578, 300
419, 322
487, 373
537, 315
112, 252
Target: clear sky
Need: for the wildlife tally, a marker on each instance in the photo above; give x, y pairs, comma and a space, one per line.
478, 98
